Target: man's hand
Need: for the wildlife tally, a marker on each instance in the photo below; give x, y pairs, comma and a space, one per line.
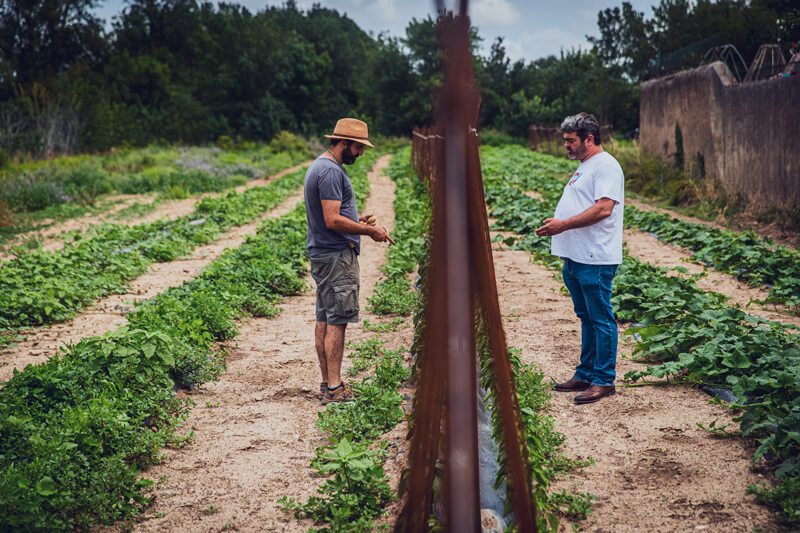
594, 214
379, 234
552, 226
367, 219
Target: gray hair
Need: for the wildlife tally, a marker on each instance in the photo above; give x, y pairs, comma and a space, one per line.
584, 125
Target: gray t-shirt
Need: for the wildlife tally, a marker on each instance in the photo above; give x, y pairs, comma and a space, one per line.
326, 180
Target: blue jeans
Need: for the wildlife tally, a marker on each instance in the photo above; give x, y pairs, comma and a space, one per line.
590, 288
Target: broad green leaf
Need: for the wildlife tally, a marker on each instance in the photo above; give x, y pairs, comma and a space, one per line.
46, 486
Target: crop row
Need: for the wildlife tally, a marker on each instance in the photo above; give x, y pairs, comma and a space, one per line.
692, 334
753, 259
393, 293
41, 287
75, 432
356, 490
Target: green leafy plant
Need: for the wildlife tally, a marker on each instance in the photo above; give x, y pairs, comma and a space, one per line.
44, 287
383, 327
76, 432
356, 494
720, 430
364, 354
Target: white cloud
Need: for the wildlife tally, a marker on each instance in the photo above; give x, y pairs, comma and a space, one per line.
493, 13
384, 11
543, 43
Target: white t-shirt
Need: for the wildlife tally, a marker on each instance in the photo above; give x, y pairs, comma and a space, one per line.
600, 176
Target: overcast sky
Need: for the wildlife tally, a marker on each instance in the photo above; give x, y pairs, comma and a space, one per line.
531, 28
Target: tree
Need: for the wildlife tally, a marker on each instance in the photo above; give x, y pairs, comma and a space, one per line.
40, 39
625, 42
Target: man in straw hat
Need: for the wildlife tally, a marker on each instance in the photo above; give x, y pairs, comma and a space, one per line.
334, 242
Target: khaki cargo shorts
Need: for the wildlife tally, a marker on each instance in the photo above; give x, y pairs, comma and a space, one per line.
338, 280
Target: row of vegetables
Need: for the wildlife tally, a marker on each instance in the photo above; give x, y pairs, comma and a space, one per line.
42, 287
76, 432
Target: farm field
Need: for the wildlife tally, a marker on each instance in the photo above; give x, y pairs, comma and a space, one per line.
254, 424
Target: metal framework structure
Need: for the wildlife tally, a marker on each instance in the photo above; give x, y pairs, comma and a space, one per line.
729, 55
769, 62
461, 287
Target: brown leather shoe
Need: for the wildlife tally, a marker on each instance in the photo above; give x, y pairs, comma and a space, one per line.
594, 393
571, 385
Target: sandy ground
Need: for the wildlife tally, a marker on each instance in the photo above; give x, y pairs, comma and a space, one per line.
255, 430
167, 210
647, 248
655, 469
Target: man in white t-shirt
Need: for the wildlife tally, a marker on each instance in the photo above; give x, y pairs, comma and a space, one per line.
587, 234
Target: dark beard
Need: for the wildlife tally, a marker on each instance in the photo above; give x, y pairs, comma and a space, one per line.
348, 157
579, 153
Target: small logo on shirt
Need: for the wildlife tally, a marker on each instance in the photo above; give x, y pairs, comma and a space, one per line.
575, 178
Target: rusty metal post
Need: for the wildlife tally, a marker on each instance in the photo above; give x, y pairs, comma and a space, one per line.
506, 403
461, 467
461, 273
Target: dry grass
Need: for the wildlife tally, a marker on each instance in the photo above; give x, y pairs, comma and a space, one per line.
6, 217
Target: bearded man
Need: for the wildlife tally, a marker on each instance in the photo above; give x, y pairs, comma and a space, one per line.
334, 243
586, 232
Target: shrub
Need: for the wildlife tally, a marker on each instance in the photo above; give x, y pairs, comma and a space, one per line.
499, 138
289, 142
6, 217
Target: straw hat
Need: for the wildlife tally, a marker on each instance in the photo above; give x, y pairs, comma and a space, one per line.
351, 129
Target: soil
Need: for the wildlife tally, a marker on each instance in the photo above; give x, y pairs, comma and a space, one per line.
255, 428
654, 470
255, 432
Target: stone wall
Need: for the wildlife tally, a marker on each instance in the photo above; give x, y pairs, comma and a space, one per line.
747, 134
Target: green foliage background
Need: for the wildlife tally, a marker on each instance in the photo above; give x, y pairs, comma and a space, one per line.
182, 70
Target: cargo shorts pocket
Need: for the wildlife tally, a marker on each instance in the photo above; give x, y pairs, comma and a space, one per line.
346, 300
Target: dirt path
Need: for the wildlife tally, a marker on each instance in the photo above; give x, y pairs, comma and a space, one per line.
167, 210
109, 313
655, 469
255, 428
648, 249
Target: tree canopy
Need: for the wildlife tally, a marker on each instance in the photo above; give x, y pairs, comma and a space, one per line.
180, 70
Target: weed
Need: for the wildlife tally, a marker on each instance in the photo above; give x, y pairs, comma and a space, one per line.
717, 430
356, 494
384, 327
577, 506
